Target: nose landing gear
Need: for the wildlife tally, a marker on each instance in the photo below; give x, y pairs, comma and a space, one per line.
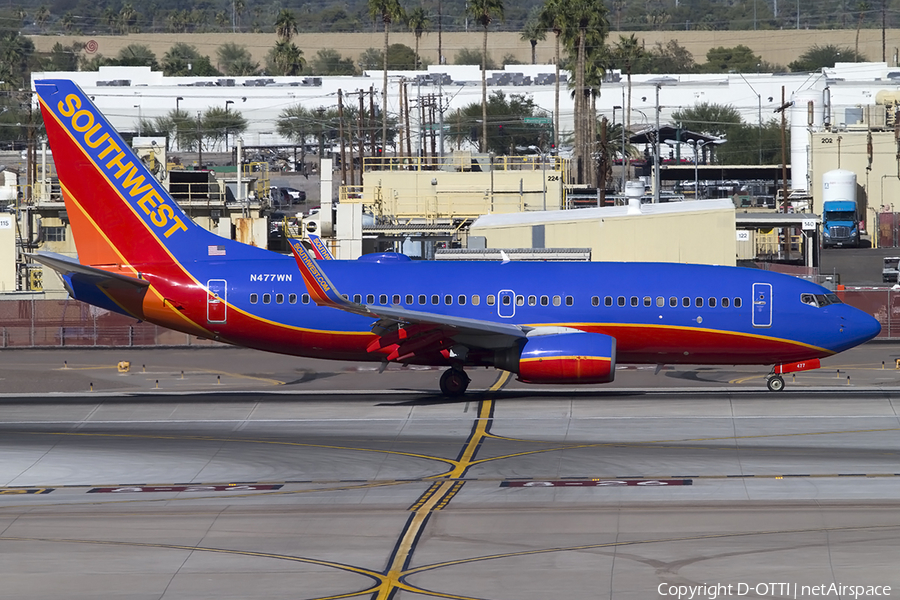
775, 382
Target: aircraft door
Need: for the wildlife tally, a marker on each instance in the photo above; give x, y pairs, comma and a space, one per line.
762, 304
216, 300
506, 304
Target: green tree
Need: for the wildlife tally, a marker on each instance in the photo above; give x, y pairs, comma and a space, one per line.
388, 11
16, 57
41, 17
534, 32
629, 55
178, 126
739, 59
219, 124
484, 12
824, 56
234, 59
671, 58
471, 56
509, 132
418, 23
136, 55
285, 59
183, 59
286, 25
62, 58
708, 118
127, 19
330, 62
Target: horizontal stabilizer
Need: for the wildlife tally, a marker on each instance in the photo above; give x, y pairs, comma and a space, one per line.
67, 267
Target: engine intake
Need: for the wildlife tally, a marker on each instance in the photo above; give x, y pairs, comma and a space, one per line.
562, 358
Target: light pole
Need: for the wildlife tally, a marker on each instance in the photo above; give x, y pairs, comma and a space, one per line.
140, 119
227, 102
623, 141
656, 151
759, 115
177, 116
543, 171
698, 145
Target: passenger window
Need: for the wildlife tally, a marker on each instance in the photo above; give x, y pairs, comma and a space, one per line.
382, 299
634, 300
712, 302
357, 298
557, 300
686, 302
595, 300
370, 299
409, 298
660, 301
422, 298
570, 300
699, 302
490, 299
267, 298
724, 302
607, 301
737, 302
648, 301
279, 298
673, 301
304, 298
461, 300
520, 300
506, 300
532, 300
476, 299
435, 299
254, 298
545, 300
395, 299
448, 299
292, 298
620, 300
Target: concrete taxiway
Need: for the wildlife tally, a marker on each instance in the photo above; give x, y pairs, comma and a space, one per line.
250, 475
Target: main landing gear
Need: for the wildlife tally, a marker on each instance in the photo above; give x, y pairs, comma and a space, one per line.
454, 382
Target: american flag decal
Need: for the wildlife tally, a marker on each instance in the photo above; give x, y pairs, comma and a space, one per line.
216, 250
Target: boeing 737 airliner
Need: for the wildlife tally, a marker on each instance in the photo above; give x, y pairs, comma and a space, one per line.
141, 255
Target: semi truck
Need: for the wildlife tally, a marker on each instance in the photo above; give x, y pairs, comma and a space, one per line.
840, 212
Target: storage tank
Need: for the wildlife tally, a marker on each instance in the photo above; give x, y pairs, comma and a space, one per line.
633, 192
839, 184
799, 119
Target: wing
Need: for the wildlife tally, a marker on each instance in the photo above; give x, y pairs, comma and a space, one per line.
403, 333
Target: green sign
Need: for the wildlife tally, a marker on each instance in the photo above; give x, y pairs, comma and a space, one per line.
536, 120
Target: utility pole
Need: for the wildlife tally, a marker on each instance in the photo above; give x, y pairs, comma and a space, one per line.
406, 115
341, 134
361, 138
372, 119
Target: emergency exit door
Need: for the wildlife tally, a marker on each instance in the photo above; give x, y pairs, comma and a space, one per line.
216, 300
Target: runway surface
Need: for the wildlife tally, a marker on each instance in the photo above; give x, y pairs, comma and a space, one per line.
259, 476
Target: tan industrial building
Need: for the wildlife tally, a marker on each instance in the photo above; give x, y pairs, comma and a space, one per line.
684, 232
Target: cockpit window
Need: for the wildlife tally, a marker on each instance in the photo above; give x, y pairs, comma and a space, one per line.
820, 300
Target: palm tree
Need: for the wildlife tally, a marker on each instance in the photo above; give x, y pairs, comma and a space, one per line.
286, 25
235, 60
534, 32
628, 53
285, 59
127, 18
418, 22
484, 12
551, 17
41, 17
388, 11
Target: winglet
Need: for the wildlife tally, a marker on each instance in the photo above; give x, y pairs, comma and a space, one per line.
319, 247
320, 288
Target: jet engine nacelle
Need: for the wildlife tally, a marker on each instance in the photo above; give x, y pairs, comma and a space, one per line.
562, 358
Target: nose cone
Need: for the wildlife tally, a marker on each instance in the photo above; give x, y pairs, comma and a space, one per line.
857, 328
